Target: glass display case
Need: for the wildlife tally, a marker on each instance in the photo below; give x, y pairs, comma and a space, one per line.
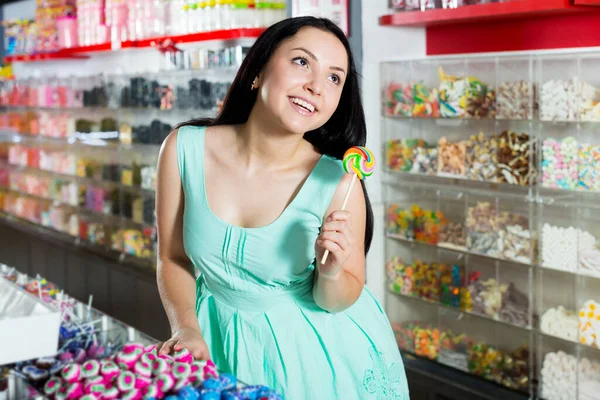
79, 153
490, 183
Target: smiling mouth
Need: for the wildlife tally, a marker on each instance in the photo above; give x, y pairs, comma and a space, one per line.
303, 106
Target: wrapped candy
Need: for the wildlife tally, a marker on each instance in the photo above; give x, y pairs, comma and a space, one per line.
398, 100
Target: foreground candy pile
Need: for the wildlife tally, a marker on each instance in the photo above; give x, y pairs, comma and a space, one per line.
137, 372
98, 362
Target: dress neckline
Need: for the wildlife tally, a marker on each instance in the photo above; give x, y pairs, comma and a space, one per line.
272, 223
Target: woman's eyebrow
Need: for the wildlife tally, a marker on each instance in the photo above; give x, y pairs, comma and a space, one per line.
311, 55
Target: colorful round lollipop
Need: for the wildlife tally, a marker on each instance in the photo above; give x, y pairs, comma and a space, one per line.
359, 162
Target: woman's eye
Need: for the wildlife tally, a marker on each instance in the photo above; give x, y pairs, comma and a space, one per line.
301, 61
335, 79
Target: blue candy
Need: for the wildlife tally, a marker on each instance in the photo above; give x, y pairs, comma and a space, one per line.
232, 395
188, 393
210, 394
214, 384
171, 398
250, 392
263, 391
229, 381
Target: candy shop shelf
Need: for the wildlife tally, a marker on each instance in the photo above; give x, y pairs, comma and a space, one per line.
576, 273
80, 140
451, 180
450, 376
87, 51
116, 220
455, 249
575, 343
509, 192
136, 264
80, 179
201, 113
493, 11
458, 311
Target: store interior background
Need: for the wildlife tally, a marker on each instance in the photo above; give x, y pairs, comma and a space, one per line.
371, 43
130, 294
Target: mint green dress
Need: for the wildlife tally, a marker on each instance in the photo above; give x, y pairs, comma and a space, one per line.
254, 297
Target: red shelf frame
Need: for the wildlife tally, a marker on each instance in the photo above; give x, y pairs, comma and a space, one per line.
86, 51
486, 12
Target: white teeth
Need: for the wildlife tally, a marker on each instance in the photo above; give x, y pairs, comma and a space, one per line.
303, 103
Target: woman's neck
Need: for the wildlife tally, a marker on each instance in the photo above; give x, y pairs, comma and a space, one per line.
259, 145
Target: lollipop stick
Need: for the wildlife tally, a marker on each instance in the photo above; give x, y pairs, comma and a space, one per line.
344, 203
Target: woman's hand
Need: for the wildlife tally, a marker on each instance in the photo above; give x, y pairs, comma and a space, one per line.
337, 237
186, 338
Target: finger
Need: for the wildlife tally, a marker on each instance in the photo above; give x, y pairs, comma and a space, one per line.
201, 353
333, 247
181, 344
338, 226
339, 215
336, 237
166, 347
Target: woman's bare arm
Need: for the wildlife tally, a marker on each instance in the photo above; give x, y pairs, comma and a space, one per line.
176, 282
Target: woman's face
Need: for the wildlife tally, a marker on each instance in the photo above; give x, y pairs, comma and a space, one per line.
302, 83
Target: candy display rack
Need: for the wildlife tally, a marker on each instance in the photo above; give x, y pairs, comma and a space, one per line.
82, 151
505, 149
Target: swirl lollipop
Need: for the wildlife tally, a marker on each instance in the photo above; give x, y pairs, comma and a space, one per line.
359, 162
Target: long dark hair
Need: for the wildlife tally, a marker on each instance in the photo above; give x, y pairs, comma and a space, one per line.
345, 128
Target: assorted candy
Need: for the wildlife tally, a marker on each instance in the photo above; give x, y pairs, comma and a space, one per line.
481, 158
507, 158
78, 202
456, 97
499, 234
508, 368
93, 365
559, 163
560, 322
440, 283
516, 158
569, 100
114, 92
137, 371
451, 158
516, 100
500, 301
569, 249
589, 324
564, 376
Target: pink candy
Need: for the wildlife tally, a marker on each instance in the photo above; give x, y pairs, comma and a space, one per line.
126, 381
142, 369
142, 382
210, 370
181, 370
160, 366
152, 391
134, 394
148, 358
74, 391
184, 356
109, 369
165, 382
111, 393
71, 373
52, 386
133, 348
90, 368
94, 388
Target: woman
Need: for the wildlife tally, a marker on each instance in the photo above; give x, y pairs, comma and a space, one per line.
250, 201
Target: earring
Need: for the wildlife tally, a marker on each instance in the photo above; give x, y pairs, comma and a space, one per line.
253, 85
